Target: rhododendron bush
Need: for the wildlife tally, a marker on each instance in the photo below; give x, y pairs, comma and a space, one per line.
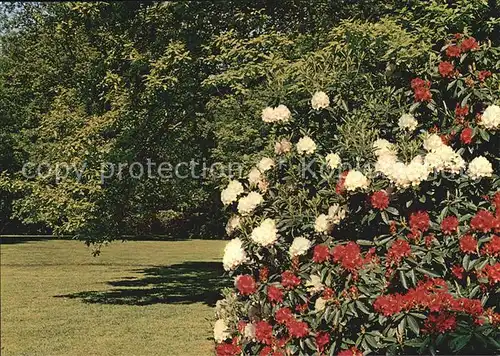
385, 244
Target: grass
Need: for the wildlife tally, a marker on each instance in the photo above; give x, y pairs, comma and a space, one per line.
137, 298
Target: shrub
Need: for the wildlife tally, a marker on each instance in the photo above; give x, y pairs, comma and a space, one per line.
372, 234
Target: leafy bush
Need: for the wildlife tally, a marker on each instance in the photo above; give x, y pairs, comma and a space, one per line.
362, 229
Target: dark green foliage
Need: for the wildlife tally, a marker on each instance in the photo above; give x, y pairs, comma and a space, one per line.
125, 82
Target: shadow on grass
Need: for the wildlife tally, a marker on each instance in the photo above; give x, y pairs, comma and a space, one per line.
183, 283
20, 240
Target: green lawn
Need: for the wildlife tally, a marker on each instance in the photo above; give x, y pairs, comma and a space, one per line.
137, 298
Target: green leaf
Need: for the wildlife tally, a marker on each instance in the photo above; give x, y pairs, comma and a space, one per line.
460, 342
385, 217
413, 324
392, 210
485, 135
362, 307
403, 279
372, 341
427, 272
465, 262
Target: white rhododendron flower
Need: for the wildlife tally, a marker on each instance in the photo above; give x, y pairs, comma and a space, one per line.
320, 304
249, 331
355, 180
383, 147
306, 145
401, 174
444, 158
282, 113
231, 192
322, 224
278, 114
266, 233
416, 171
320, 100
221, 331
397, 174
255, 176
234, 255
332, 160
385, 163
284, 146
480, 167
299, 246
433, 142
491, 117
314, 284
248, 203
265, 164
336, 213
268, 115
407, 122
233, 223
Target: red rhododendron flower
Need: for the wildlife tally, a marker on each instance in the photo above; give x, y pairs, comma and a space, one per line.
483, 75
321, 253
353, 351
241, 326
380, 200
339, 189
449, 225
388, 304
458, 271
469, 44
349, 256
301, 308
468, 244
470, 306
428, 240
266, 351
453, 51
461, 111
445, 139
281, 341
322, 339
274, 294
492, 248
440, 323
446, 69
297, 329
328, 293
283, 315
289, 280
466, 135
398, 250
263, 274
431, 294
264, 332
482, 221
496, 202
246, 284
226, 349
422, 94
419, 221
495, 224
417, 82
393, 228
421, 89
493, 272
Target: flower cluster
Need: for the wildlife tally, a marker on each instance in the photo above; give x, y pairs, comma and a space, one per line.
370, 259
432, 295
278, 114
